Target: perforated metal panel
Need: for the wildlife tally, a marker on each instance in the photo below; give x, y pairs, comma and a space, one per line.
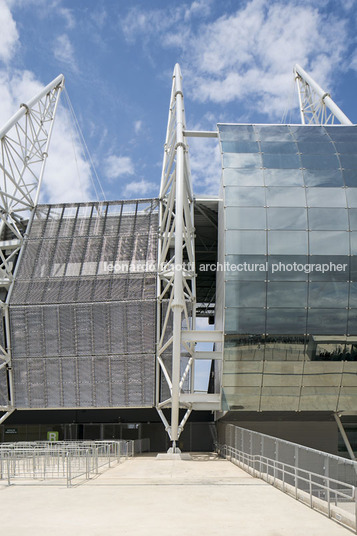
83, 306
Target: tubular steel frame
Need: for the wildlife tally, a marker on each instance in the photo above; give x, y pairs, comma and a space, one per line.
25, 140
316, 106
176, 280
176, 290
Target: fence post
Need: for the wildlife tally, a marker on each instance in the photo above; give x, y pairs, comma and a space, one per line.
68, 467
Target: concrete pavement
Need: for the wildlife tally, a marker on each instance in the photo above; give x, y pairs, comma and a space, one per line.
145, 496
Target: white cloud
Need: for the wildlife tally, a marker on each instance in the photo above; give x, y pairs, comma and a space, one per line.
139, 188
67, 174
117, 166
63, 51
138, 125
9, 36
205, 161
67, 14
249, 54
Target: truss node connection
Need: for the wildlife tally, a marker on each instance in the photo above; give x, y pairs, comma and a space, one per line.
25, 140
316, 106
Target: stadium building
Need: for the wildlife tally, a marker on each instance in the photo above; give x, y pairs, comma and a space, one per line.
99, 300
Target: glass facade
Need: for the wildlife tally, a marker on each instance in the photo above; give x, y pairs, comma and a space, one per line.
290, 295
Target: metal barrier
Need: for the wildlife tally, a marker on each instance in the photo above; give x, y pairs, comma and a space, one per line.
70, 461
309, 478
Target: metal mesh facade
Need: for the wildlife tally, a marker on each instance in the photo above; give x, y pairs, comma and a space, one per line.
83, 306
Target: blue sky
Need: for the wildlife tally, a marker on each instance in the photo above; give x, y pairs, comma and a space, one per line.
118, 56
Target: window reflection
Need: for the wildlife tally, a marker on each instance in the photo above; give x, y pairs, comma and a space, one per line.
323, 177
243, 177
240, 146
281, 161
245, 242
244, 196
328, 219
242, 160
287, 218
245, 218
277, 177
285, 197
328, 294
326, 197
329, 242
287, 242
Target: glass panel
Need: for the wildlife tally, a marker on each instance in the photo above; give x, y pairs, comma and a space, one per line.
244, 196
316, 147
282, 177
329, 242
326, 197
315, 161
288, 267
246, 267
245, 294
346, 147
286, 197
327, 321
245, 320
287, 218
341, 133
350, 177
273, 147
284, 320
245, 218
249, 242
286, 347
328, 294
328, 218
323, 177
311, 132
349, 161
329, 268
287, 242
353, 267
353, 237
281, 161
243, 177
351, 194
287, 294
273, 132
353, 294
240, 147
236, 132
352, 325
242, 160
326, 349
244, 347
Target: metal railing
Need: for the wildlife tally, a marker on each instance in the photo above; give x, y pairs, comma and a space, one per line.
320, 480
69, 461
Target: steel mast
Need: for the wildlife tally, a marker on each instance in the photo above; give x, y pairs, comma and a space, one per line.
176, 291
25, 140
316, 106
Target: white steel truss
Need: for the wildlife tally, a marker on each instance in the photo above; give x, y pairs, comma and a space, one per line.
24, 142
316, 106
176, 292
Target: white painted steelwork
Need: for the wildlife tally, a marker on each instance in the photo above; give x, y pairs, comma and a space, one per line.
24, 142
316, 106
176, 291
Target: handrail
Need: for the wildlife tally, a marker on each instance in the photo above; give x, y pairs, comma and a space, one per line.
326, 503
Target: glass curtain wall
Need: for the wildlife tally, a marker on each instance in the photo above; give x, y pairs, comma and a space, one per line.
290, 270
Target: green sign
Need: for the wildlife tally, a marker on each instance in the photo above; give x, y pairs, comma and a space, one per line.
10, 430
52, 436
